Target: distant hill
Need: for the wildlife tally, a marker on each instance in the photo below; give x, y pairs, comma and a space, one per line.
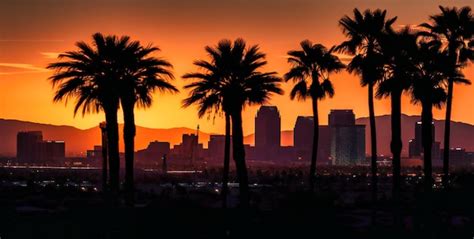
286, 138
78, 140
462, 134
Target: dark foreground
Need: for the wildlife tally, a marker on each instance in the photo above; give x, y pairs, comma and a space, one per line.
58, 206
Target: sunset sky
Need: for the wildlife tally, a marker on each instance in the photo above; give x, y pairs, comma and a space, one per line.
33, 32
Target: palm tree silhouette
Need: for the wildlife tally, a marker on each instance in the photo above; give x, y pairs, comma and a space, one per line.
210, 92
455, 28
364, 31
397, 50
87, 76
140, 75
231, 81
310, 70
428, 90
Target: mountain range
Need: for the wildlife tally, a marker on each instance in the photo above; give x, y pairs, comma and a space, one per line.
79, 140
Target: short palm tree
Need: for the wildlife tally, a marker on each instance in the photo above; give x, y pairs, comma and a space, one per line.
364, 31
87, 76
398, 51
455, 28
232, 81
311, 68
140, 76
209, 92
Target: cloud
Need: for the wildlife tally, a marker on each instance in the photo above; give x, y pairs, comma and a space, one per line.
20, 68
50, 55
32, 40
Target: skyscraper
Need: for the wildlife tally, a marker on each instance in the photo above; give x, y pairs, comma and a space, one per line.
28, 146
347, 138
303, 140
216, 148
415, 146
267, 132
31, 148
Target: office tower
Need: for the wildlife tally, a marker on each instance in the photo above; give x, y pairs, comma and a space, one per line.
341, 118
415, 146
303, 133
94, 155
267, 132
457, 157
347, 138
52, 151
27, 146
216, 148
303, 140
31, 148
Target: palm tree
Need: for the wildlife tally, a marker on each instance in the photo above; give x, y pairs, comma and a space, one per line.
140, 76
310, 70
397, 51
231, 82
209, 92
87, 76
428, 90
455, 28
364, 31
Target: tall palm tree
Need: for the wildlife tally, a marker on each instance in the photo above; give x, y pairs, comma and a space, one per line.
310, 70
140, 76
210, 92
364, 31
397, 51
236, 69
428, 90
455, 28
87, 76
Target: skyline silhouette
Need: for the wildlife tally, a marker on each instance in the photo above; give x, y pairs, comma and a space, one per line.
325, 87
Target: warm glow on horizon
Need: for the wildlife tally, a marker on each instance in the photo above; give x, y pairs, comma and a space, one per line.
31, 40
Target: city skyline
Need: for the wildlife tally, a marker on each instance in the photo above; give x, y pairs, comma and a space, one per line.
24, 55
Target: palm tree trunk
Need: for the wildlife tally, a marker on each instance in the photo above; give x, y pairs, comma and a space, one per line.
239, 157
225, 176
113, 148
104, 157
314, 153
396, 148
427, 141
447, 134
129, 140
373, 146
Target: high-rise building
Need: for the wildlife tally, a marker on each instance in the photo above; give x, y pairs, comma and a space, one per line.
189, 150
153, 153
457, 157
267, 132
347, 138
415, 146
303, 133
31, 148
341, 118
303, 140
52, 151
216, 148
27, 146
94, 155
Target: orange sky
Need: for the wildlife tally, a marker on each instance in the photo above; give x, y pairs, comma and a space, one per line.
32, 32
